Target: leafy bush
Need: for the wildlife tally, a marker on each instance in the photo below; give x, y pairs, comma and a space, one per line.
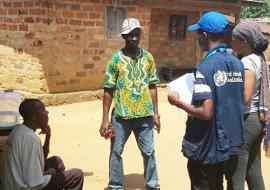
255, 12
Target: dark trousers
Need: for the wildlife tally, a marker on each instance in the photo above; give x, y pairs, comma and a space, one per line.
227, 169
249, 160
202, 176
71, 179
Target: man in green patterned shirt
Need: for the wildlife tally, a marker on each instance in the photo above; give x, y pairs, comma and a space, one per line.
130, 80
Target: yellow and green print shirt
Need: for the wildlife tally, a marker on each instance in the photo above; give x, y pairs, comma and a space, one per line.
130, 80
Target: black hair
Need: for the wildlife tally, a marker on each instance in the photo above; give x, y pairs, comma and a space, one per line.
29, 108
261, 46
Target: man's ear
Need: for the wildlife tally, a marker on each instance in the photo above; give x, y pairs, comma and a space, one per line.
205, 35
124, 36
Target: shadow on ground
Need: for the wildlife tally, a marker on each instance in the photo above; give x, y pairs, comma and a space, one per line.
133, 181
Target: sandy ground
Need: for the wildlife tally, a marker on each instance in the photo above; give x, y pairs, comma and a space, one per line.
75, 138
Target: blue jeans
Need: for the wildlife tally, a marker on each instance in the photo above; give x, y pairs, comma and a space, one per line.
143, 131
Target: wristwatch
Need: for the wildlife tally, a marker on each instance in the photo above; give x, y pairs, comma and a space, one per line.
156, 116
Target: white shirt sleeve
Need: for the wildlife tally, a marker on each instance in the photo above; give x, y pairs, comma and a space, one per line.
33, 162
249, 63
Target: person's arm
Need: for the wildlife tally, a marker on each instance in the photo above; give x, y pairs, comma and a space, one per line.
107, 101
204, 112
109, 85
249, 85
154, 96
46, 146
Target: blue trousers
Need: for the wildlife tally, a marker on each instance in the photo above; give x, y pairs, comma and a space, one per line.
143, 131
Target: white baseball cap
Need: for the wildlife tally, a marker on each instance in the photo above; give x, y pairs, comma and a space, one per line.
130, 24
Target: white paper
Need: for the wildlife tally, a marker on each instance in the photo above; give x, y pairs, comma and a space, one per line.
184, 85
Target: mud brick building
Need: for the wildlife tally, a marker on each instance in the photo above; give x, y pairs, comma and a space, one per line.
53, 46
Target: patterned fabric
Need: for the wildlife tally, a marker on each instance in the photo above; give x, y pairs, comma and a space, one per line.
264, 102
130, 80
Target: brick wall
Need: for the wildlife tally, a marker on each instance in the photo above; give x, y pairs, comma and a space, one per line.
171, 52
65, 38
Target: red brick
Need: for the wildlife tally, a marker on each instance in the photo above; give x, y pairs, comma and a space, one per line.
3, 12
88, 23
96, 58
88, 8
43, 20
51, 13
50, 5
60, 6
93, 45
75, 7
99, 23
29, 35
74, 81
102, 51
3, 27
68, 14
94, 16
29, 20
132, 9
93, 1
28, 4
23, 12
54, 73
107, 2
7, 4
18, 4
81, 74
127, 3
18, 20
61, 21
12, 12
99, 9
75, 22
7, 20
37, 4
13, 27
88, 66
38, 43
60, 83
37, 12
23, 27
82, 15
80, 30
145, 17
87, 52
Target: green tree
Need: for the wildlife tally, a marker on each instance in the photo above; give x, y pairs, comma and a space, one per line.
255, 12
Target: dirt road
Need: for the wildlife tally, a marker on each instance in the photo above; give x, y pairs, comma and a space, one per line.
76, 139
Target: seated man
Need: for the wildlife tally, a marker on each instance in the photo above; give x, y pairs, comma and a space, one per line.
25, 161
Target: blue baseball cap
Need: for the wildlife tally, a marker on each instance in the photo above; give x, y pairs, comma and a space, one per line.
213, 22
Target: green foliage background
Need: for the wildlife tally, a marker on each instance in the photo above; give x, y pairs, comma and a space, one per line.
255, 12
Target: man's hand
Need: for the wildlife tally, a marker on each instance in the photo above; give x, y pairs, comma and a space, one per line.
173, 98
46, 131
50, 171
104, 128
157, 123
264, 117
